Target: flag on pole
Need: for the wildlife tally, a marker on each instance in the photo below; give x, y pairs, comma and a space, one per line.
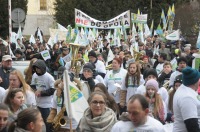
146, 30
68, 38
159, 30
174, 36
110, 57
61, 28
32, 39
39, 34
163, 19
74, 101
151, 28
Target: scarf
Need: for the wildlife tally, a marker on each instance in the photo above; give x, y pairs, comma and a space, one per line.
102, 123
18, 129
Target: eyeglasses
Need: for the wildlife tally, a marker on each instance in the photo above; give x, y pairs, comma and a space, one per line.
101, 103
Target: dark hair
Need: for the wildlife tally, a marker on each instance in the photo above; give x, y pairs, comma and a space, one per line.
135, 76
11, 94
163, 55
111, 102
182, 59
144, 103
24, 118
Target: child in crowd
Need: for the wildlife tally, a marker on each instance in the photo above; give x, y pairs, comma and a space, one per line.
156, 104
131, 82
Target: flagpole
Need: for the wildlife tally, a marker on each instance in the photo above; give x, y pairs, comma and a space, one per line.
10, 22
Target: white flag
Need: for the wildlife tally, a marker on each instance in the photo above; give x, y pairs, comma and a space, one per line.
40, 35
50, 42
61, 28
32, 39
75, 102
110, 57
174, 36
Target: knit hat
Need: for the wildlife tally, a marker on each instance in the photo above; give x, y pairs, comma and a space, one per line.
153, 83
178, 79
89, 66
190, 76
150, 72
92, 53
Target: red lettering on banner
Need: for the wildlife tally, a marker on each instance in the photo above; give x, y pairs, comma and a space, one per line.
80, 21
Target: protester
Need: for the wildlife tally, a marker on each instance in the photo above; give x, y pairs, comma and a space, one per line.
5, 70
157, 107
91, 76
165, 74
3, 117
43, 84
100, 87
138, 118
186, 105
182, 63
17, 81
15, 102
28, 120
100, 67
29, 71
131, 82
97, 120
58, 107
177, 84
161, 59
114, 79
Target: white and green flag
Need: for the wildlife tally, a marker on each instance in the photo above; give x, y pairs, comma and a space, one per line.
45, 55
173, 36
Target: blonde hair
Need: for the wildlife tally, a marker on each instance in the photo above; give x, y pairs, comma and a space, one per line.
23, 84
158, 104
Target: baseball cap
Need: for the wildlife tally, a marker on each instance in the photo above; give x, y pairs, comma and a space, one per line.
6, 58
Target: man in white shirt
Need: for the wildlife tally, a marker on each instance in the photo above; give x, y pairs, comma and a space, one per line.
138, 119
186, 103
161, 59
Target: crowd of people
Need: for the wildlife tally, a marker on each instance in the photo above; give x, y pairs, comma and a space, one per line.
133, 92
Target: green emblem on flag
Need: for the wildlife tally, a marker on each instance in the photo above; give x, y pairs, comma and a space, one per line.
74, 94
45, 54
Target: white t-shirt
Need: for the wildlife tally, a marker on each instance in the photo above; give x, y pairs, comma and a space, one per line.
100, 67
112, 80
100, 79
43, 82
186, 105
131, 89
152, 125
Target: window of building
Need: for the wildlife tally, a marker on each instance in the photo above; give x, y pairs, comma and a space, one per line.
43, 4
